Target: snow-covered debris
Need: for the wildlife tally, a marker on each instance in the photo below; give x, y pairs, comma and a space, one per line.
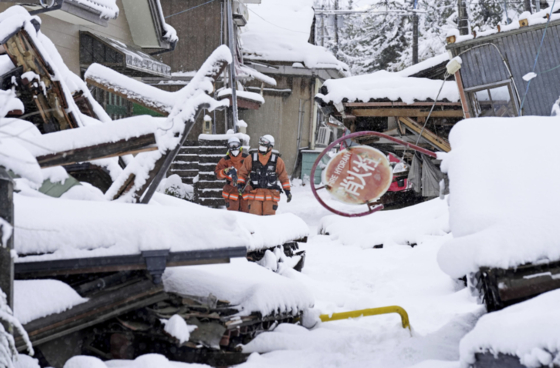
226, 92
528, 331
60, 229
247, 286
244, 138
15, 18
34, 298
387, 85
171, 131
496, 217
407, 226
279, 30
178, 328
70, 139
25, 361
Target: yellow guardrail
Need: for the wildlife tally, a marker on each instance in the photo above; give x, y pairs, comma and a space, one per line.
369, 312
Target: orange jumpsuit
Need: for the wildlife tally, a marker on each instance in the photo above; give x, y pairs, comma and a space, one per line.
234, 202
263, 201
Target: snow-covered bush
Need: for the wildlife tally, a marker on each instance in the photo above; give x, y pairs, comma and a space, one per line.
174, 186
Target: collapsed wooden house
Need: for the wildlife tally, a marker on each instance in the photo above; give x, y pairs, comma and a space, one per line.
110, 252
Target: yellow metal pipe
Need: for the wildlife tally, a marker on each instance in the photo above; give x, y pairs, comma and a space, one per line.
369, 312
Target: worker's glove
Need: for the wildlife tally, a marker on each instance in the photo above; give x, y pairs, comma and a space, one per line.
226, 170
288, 194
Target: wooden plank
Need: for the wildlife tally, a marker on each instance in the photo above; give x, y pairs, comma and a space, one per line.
407, 113
143, 143
435, 140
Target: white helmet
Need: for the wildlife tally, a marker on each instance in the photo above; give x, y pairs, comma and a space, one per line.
234, 140
267, 140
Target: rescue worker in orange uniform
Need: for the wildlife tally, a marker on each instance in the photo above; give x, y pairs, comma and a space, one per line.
227, 168
262, 169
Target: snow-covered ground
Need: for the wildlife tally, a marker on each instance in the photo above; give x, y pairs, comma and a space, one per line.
344, 276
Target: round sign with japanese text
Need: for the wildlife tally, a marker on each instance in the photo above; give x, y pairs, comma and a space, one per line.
358, 175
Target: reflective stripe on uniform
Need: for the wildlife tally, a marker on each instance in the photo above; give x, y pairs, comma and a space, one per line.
241, 180
234, 196
225, 195
286, 185
246, 196
276, 199
259, 198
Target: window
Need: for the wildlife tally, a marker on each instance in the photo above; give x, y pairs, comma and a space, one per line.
493, 100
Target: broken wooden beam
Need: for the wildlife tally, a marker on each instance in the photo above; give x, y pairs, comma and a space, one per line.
47, 91
97, 309
431, 137
405, 112
143, 192
38, 269
143, 143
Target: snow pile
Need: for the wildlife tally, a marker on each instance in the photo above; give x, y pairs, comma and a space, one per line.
407, 226
387, 85
177, 327
247, 286
27, 293
528, 330
143, 361
254, 74
8, 351
61, 229
107, 8
498, 216
279, 30
174, 186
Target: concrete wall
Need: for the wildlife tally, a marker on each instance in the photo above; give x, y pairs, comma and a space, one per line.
66, 35
279, 116
198, 31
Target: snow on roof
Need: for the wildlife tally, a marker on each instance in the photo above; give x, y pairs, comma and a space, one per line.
532, 19
502, 213
107, 8
143, 361
387, 85
279, 30
65, 229
528, 331
33, 299
131, 88
247, 286
252, 73
423, 65
170, 32
224, 137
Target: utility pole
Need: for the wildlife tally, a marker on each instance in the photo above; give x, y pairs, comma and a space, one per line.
232, 78
463, 21
415, 35
336, 28
506, 12
7, 215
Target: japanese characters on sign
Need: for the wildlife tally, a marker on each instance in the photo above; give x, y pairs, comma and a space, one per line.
358, 175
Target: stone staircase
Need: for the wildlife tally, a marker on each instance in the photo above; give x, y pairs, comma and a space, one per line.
195, 164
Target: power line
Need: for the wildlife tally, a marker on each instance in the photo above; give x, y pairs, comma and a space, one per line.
189, 9
276, 25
